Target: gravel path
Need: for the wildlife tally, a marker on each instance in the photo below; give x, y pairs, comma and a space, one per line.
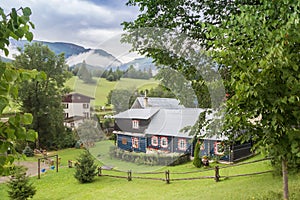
31, 169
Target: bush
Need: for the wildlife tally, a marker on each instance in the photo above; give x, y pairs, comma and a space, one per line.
85, 168
28, 151
148, 159
19, 187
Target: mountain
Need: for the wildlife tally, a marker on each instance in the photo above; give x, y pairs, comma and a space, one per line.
74, 54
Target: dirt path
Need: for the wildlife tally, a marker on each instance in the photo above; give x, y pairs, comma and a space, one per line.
31, 169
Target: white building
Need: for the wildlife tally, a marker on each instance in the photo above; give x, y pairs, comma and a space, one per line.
76, 108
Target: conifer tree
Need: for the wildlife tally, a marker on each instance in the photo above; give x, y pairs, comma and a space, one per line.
85, 168
19, 187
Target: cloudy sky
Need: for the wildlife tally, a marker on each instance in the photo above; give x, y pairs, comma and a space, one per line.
88, 23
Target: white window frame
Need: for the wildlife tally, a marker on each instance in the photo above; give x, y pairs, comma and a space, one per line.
85, 105
182, 144
135, 124
216, 148
162, 140
86, 115
154, 141
135, 142
65, 105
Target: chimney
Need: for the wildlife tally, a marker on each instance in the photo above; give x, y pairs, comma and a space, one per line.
145, 100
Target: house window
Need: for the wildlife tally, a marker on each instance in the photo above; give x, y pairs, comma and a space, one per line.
72, 124
182, 144
219, 148
202, 146
164, 142
135, 124
66, 115
135, 142
154, 141
124, 141
85, 105
86, 115
65, 105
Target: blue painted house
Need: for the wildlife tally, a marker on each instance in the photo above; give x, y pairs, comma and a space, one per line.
148, 128
155, 129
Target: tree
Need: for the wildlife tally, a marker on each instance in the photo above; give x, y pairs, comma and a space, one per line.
257, 44
85, 168
85, 74
15, 24
89, 133
19, 187
42, 97
197, 161
121, 99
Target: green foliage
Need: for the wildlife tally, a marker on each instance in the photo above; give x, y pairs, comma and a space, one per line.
89, 132
121, 99
35, 93
85, 168
197, 160
160, 91
111, 75
131, 72
15, 24
19, 187
85, 74
28, 151
148, 159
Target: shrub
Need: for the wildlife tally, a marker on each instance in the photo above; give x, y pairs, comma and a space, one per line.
19, 187
28, 151
85, 168
148, 159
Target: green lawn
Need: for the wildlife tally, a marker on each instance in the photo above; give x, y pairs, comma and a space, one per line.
63, 185
101, 89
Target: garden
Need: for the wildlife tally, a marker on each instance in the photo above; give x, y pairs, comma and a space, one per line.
63, 185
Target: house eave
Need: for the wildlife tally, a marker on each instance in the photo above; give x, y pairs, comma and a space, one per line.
129, 133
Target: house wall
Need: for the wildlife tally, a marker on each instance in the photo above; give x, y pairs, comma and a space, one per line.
125, 142
232, 153
173, 145
208, 148
126, 125
77, 109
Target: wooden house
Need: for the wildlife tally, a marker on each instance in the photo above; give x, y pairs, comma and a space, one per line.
155, 129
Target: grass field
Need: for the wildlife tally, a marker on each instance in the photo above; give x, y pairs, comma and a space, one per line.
102, 87
63, 185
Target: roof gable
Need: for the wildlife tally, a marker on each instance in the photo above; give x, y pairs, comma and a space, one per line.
76, 98
137, 113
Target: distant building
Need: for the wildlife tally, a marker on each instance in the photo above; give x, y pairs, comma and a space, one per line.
76, 109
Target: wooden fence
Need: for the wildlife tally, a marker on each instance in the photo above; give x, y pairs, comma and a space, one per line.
166, 175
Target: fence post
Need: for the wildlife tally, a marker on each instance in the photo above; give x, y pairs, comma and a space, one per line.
167, 173
99, 171
217, 174
129, 175
39, 168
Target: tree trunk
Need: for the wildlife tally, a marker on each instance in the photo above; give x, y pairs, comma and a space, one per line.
285, 179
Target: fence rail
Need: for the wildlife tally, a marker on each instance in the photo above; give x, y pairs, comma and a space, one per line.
217, 171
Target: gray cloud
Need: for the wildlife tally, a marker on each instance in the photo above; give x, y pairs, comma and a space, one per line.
86, 23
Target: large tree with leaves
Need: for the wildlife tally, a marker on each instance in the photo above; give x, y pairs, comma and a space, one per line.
257, 44
15, 24
42, 97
